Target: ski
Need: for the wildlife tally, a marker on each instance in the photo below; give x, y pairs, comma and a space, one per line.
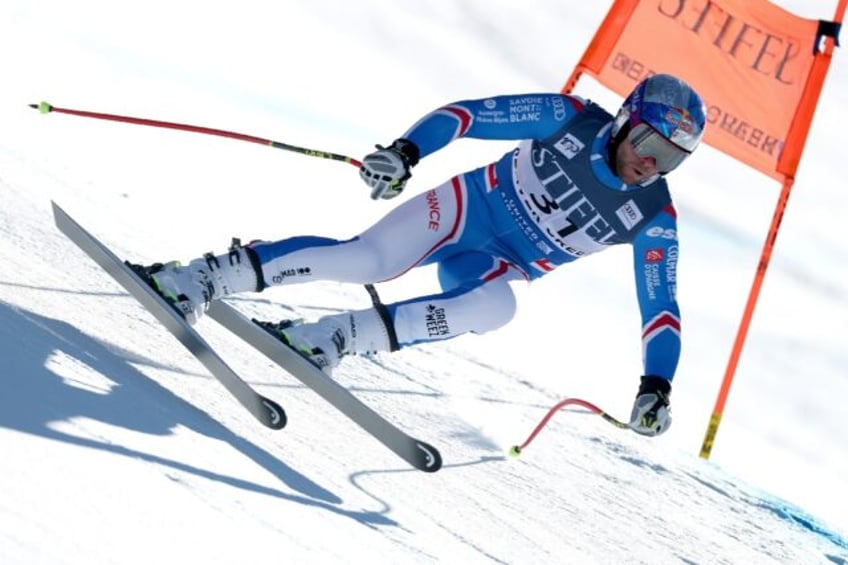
263, 409
417, 453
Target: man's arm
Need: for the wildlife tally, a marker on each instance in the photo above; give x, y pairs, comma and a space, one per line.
520, 116
655, 255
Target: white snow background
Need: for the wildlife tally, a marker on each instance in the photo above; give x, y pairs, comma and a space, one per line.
116, 446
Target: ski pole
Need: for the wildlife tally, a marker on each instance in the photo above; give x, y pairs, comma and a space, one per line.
46, 108
516, 450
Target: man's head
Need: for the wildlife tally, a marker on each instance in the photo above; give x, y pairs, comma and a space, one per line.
659, 124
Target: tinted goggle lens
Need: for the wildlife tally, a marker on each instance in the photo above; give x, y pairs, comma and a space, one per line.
647, 142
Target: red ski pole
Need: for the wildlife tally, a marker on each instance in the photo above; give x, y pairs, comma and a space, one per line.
46, 108
515, 450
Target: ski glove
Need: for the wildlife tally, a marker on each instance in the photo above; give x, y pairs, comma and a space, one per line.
651, 413
387, 169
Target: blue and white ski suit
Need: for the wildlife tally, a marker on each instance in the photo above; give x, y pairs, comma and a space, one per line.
550, 201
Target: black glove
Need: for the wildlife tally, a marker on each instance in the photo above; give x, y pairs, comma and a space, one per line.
651, 413
387, 169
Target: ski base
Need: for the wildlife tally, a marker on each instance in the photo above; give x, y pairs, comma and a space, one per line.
417, 453
263, 409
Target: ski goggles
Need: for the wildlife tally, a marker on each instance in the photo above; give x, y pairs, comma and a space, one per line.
648, 142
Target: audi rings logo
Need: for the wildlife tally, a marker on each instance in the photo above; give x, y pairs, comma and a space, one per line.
559, 108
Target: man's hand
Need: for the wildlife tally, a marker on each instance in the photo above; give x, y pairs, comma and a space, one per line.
651, 413
387, 169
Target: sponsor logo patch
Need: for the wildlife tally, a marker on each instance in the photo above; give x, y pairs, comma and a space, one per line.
436, 321
629, 214
569, 146
654, 255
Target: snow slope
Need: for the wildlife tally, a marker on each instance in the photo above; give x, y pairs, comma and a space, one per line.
118, 447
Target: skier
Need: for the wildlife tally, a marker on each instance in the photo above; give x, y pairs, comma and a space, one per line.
579, 181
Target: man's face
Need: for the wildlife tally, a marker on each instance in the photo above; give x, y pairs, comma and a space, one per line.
630, 167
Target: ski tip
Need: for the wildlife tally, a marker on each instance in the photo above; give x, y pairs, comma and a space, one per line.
429, 459
276, 417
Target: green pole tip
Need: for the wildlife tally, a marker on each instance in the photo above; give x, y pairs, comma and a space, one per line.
44, 107
514, 451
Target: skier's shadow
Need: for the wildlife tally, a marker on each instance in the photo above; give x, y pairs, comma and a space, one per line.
35, 397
